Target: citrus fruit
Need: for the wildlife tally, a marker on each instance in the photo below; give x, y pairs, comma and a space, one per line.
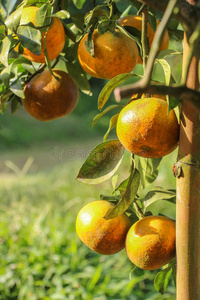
150, 242
114, 53
55, 38
47, 98
101, 235
136, 22
145, 128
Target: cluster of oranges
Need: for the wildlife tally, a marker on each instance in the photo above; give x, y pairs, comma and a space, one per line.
149, 243
48, 95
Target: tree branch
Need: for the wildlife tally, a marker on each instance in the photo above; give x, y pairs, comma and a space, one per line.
186, 13
192, 96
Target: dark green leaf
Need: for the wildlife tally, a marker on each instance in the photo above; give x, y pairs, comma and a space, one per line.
30, 38
102, 162
110, 86
4, 49
167, 52
161, 280
152, 20
128, 190
173, 102
112, 124
15, 104
148, 168
97, 117
79, 76
158, 194
132, 33
12, 22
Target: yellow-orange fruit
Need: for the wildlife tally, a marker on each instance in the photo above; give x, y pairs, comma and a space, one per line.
114, 54
55, 38
145, 128
101, 235
48, 98
136, 22
150, 242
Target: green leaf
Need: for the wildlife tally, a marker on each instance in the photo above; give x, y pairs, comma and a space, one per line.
4, 49
41, 19
17, 89
30, 38
152, 20
15, 104
167, 52
102, 162
148, 168
128, 190
9, 5
112, 124
110, 86
132, 33
12, 22
97, 117
62, 14
158, 194
166, 68
173, 102
161, 280
79, 3
79, 76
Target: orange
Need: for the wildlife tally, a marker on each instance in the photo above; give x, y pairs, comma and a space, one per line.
47, 98
150, 242
101, 235
114, 53
145, 128
136, 22
55, 38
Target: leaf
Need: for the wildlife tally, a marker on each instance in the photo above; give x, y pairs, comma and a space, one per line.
148, 168
158, 194
9, 5
62, 14
132, 33
128, 189
79, 3
30, 38
79, 76
167, 52
102, 162
17, 89
166, 68
15, 104
4, 49
161, 280
97, 117
112, 124
12, 22
41, 19
110, 86
173, 102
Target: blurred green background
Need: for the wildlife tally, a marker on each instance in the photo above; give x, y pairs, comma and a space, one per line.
41, 255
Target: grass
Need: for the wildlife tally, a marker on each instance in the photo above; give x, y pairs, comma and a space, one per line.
41, 255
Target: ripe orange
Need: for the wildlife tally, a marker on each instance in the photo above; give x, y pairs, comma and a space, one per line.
145, 128
136, 22
101, 235
47, 98
113, 54
150, 242
55, 38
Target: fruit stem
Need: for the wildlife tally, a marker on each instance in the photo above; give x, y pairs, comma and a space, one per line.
138, 210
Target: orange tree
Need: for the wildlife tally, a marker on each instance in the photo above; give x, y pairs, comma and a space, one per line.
38, 38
